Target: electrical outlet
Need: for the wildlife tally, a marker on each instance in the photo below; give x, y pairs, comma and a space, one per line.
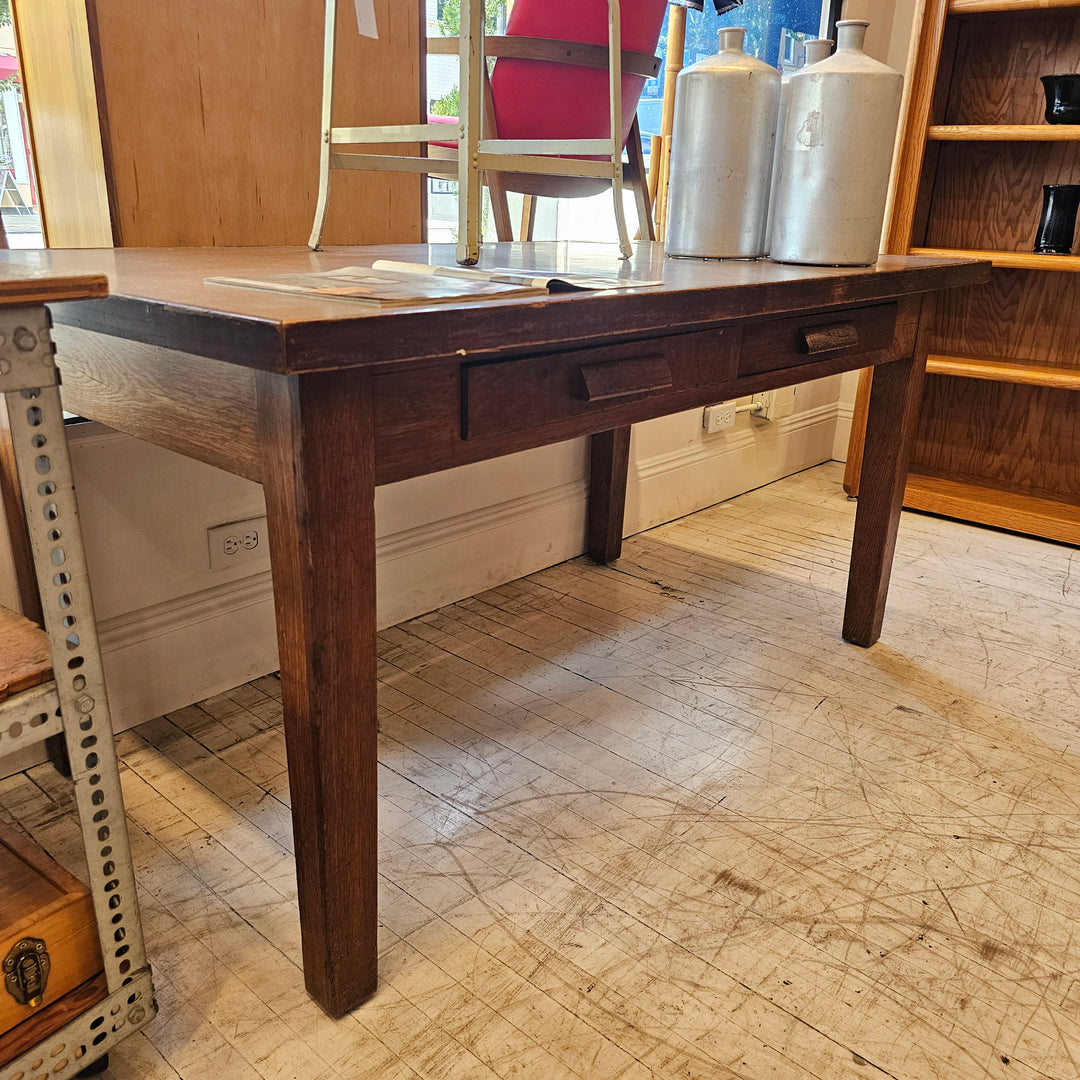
718, 417
238, 543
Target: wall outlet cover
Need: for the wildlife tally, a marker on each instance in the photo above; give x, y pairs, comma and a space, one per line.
239, 543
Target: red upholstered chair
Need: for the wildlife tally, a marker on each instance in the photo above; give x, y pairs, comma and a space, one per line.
546, 86
550, 87
536, 99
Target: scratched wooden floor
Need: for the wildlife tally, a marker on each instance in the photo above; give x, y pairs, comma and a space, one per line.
656, 820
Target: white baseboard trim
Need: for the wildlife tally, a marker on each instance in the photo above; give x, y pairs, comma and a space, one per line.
163, 657
426, 567
671, 485
845, 416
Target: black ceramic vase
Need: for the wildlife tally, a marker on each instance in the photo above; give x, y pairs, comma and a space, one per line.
1055, 235
1062, 98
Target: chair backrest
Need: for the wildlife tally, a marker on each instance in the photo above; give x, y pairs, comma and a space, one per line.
540, 100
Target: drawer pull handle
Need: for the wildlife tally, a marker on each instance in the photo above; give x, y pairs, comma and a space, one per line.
819, 339
625, 378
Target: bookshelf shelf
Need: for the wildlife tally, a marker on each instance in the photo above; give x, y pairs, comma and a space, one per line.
1004, 133
1011, 371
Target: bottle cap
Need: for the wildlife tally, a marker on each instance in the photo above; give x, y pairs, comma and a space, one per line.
851, 33
731, 38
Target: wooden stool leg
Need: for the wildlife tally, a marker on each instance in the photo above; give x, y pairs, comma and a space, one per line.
853, 465
635, 176
500, 208
528, 217
655, 152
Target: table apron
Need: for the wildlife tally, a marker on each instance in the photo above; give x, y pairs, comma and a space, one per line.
447, 412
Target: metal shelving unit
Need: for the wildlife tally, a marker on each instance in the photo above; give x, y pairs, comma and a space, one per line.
70, 700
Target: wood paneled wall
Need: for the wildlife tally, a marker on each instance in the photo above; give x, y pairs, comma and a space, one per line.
209, 117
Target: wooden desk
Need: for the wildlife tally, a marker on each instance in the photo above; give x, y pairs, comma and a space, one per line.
320, 401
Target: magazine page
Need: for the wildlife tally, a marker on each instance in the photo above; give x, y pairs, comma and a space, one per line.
559, 282
384, 287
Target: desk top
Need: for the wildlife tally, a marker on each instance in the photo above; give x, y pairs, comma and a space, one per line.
159, 296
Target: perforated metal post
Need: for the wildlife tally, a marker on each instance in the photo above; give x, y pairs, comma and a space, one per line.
28, 378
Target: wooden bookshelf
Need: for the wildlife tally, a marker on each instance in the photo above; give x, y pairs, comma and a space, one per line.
998, 439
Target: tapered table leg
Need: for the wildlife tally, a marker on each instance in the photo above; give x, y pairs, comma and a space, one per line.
317, 446
609, 458
890, 432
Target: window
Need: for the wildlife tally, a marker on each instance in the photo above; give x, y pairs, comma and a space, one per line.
775, 32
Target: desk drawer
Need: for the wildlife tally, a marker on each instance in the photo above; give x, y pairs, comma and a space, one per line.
784, 343
593, 382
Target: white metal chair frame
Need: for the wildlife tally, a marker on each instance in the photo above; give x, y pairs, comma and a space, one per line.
476, 154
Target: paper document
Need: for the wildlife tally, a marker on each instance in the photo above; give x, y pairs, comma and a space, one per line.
365, 18
555, 282
385, 287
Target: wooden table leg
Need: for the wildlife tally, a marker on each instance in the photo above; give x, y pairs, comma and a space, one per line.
609, 459
317, 446
890, 432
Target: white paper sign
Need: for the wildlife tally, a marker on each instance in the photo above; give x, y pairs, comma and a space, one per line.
365, 18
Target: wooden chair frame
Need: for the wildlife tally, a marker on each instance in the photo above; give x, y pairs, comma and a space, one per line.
480, 151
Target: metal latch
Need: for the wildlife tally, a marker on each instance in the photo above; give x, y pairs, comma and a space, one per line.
26, 971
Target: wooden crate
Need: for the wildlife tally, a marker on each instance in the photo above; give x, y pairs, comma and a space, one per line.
40, 900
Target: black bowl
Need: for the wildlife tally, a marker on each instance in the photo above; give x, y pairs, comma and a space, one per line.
1062, 98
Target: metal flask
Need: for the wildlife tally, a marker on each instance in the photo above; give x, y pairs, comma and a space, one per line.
816, 49
721, 154
835, 156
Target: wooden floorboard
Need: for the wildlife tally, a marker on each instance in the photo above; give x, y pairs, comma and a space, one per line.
654, 820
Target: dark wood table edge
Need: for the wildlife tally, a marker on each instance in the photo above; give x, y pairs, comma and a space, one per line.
402, 335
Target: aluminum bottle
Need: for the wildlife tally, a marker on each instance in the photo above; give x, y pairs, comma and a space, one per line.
814, 50
721, 154
835, 157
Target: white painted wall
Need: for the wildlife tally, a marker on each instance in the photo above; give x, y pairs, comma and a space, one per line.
173, 631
